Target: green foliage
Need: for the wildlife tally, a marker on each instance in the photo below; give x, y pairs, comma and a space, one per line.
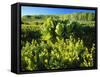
46, 30
59, 29
57, 41
88, 57
62, 54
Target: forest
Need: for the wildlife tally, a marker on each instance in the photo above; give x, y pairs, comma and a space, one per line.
57, 41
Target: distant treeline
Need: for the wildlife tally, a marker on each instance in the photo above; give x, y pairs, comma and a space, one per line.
74, 16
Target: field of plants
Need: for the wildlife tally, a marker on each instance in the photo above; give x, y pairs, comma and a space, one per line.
57, 41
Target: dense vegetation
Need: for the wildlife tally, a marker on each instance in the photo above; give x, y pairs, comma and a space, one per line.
57, 41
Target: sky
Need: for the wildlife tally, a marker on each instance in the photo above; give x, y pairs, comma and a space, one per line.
29, 10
